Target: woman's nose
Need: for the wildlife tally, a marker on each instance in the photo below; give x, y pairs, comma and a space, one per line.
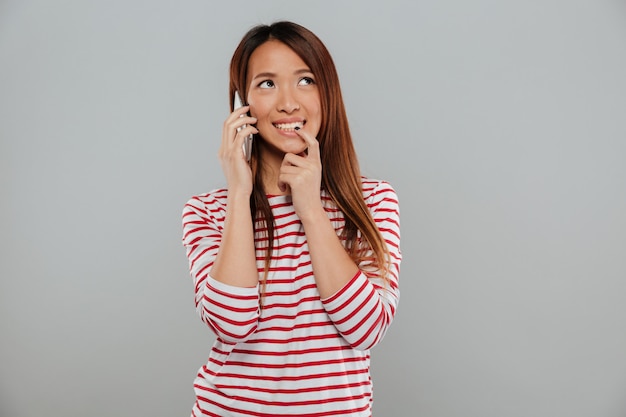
287, 101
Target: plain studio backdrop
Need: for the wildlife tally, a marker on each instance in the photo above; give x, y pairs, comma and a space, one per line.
502, 126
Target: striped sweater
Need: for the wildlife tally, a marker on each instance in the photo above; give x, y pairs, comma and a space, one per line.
299, 355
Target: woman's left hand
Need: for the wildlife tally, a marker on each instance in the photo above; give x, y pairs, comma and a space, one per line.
302, 174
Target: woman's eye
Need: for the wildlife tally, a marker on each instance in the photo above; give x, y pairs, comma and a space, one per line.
266, 84
306, 81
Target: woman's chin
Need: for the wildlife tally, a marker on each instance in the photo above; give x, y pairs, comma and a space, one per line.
295, 145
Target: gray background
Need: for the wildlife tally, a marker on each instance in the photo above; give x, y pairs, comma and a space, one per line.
500, 124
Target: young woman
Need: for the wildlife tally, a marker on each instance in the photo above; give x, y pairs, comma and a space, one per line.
296, 262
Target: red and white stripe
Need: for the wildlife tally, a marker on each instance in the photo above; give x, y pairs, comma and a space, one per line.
299, 355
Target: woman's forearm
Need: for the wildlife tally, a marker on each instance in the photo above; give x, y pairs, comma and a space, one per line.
332, 266
235, 263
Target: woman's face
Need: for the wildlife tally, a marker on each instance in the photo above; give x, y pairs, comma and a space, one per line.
282, 94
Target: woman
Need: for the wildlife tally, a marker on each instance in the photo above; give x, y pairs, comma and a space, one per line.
296, 263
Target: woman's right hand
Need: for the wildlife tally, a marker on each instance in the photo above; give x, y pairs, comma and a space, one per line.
234, 164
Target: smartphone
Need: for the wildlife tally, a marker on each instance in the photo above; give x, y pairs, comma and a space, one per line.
247, 142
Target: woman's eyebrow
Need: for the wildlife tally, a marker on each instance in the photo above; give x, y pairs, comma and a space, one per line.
303, 71
264, 75
273, 75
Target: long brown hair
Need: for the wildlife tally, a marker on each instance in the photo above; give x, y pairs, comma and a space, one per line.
341, 176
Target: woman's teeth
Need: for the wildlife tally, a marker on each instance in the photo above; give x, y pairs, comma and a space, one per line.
289, 126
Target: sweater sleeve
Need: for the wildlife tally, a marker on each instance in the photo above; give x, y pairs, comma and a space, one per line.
231, 312
364, 308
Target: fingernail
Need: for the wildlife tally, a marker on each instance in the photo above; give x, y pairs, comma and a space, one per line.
297, 128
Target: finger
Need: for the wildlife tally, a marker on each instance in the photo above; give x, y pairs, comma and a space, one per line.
287, 173
246, 131
291, 159
233, 141
242, 122
311, 141
235, 121
241, 111
287, 170
238, 118
238, 145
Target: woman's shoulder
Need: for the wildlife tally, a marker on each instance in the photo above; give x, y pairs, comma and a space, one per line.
374, 189
209, 201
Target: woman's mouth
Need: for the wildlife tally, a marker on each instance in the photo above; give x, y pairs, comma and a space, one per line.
289, 127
